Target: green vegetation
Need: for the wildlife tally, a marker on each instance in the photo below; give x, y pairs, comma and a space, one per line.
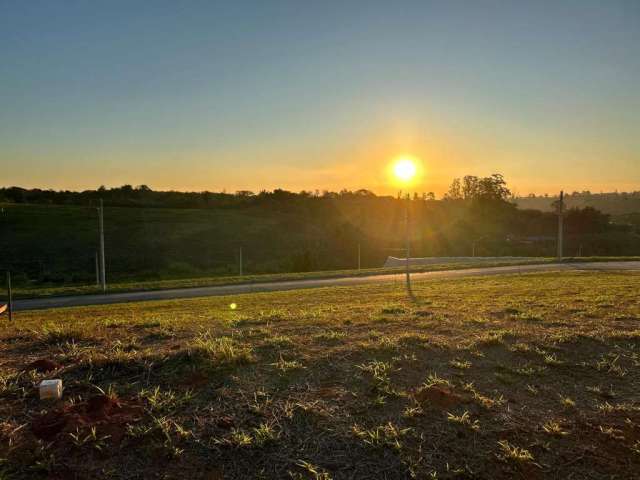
612, 203
38, 291
518, 376
149, 285
157, 236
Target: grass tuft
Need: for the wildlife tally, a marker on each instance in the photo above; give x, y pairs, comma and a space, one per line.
223, 351
513, 453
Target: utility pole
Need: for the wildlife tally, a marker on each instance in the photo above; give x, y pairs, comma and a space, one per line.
10, 300
103, 277
560, 210
407, 246
359, 264
240, 260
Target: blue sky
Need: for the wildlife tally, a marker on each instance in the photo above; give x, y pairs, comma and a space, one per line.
263, 94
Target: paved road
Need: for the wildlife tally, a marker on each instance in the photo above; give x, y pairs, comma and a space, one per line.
57, 302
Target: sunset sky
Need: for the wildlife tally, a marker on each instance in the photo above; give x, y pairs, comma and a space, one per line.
309, 95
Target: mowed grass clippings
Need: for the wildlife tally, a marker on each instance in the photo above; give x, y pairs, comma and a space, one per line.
518, 376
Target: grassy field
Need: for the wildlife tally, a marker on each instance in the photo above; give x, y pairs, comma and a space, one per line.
52, 247
141, 243
52, 291
522, 376
38, 292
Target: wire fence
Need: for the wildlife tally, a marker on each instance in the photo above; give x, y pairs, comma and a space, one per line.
58, 245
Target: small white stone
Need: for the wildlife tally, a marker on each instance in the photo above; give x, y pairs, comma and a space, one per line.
51, 389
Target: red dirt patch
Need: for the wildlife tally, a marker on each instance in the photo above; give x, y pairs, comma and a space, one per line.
226, 422
438, 396
110, 416
43, 365
195, 380
100, 406
48, 425
331, 392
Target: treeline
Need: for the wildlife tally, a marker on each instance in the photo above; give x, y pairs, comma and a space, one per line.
143, 196
614, 203
51, 237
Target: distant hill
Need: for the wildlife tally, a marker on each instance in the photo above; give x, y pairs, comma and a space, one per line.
612, 203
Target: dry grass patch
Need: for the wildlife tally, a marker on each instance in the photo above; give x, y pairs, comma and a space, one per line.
490, 377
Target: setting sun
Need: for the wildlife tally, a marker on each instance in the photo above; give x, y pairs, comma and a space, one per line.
404, 169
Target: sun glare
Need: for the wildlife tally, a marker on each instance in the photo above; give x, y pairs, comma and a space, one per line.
404, 169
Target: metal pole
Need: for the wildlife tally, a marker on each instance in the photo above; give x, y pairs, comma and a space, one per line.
240, 261
97, 268
10, 302
560, 224
407, 246
103, 277
359, 264
473, 248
